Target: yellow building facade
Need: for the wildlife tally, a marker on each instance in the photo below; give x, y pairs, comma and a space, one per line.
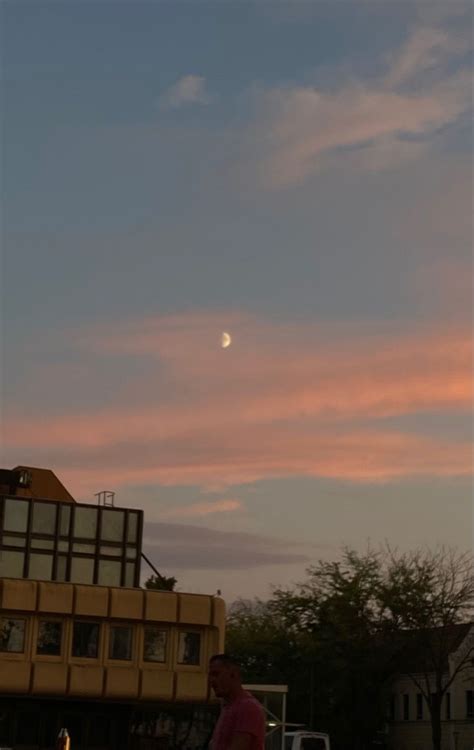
120, 666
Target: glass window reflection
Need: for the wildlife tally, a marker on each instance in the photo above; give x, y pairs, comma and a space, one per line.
11, 564
12, 635
112, 525
44, 518
120, 644
85, 640
15, 515
41, 567
110, 572
49, 638
82, 570
85, 523
189, 648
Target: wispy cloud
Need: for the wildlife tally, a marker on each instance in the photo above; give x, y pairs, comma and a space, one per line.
202, 509
298, 400
182, 546
190, 89
300, 129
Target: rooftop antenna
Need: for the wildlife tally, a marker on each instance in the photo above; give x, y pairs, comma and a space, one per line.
106, 498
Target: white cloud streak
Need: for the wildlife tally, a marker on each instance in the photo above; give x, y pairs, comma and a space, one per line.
190, 89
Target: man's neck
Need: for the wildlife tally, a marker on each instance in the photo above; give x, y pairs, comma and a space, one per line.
239, 692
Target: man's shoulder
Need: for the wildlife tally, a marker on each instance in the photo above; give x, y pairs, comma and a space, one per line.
247, 700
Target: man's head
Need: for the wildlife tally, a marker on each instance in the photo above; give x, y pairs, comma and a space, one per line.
224, 676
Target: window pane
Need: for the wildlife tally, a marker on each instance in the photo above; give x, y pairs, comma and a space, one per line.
131, 553
109, 572
49, 638
120, 646
85, 641
81, 547
130, 575
65, 520
12, 634
189, 648
41, 567
61, 568
112, 551
11, 564
44, 518
42, 543
63, 546
14, 541
154, 648
85, 522
82, 570
16, 515
132, 527
112, 525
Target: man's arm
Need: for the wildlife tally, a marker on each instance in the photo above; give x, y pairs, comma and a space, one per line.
241, 741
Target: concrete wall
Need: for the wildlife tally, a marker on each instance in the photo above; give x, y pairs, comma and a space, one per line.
102, 677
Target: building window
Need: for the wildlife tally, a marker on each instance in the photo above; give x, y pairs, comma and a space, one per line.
448, 706
49, 638
112, 525
154, 647
42, 543
419, 706
61, 568
82, 570
85, 522
120, 644
132, 529
15, 515
130, 574
65, 520
470, 704
41, 567
85, 640
12, 635
14, 541
189, 648
406, 707
11, 564
110, 572
44, 518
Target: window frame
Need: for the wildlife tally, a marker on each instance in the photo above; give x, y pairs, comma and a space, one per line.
133, 643
50, 657
87, 659
168, 645
187, 665
25, 620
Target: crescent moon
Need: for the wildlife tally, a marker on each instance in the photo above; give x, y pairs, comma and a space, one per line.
226, 340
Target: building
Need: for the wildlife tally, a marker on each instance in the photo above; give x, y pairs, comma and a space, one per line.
409, 726
82, 646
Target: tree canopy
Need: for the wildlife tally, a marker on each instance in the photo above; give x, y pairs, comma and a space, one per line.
336, 638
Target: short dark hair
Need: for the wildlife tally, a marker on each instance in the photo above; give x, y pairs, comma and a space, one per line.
227, 659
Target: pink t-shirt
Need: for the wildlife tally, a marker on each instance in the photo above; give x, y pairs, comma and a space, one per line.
243, 715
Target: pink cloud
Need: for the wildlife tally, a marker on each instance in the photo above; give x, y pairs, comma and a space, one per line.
281, 401
201, 509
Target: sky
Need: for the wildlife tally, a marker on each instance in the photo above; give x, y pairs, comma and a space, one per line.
298, 174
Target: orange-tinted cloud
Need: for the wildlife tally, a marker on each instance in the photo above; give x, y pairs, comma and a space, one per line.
201, 509
281, 401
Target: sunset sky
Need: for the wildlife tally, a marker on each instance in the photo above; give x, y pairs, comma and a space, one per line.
298, 174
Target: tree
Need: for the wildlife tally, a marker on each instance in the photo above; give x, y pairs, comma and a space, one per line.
429, 598
161, 583
338, 638
339, 610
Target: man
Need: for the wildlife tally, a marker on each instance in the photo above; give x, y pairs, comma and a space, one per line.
241, 724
